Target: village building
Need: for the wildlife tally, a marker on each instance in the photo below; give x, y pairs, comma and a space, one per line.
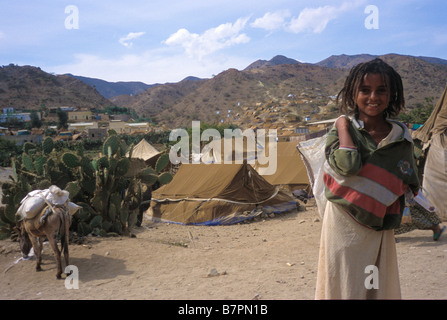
79, 115
97, 133
23, 136
122, 127
82, 126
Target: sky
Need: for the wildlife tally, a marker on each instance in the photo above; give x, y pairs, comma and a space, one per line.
164, 41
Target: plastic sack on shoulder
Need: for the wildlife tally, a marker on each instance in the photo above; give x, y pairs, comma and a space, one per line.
312, 153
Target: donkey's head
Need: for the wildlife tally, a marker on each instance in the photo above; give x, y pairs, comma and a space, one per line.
24, 241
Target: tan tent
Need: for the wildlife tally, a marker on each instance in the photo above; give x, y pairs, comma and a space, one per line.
290, 169
241, 148
433, 135
144, 150
211, 194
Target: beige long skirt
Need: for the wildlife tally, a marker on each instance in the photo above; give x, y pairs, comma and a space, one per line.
355, 262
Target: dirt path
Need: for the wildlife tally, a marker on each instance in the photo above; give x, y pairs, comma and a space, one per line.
270, 259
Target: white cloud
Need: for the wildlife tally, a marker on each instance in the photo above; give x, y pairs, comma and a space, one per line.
127, 40
214, 39
315, 20
271, 21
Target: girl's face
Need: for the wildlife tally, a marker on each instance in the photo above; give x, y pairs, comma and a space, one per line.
373, 96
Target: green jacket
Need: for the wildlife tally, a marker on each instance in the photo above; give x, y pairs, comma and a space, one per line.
369, 182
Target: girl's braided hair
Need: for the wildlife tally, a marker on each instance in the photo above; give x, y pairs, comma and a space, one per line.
354, 80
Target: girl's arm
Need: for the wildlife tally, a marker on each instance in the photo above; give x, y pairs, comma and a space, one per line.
342, 125
341, 151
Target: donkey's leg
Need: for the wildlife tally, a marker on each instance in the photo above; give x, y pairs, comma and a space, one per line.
37, 246
64, 248
66, 239
57, 254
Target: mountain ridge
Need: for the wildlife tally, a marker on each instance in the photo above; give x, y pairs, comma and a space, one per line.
275, 61
300, 89
268, 84
29, 87
111, 89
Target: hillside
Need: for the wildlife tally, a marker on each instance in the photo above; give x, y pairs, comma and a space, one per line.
345, 61
159, 99
113, 89
292, 89
348, 61
275, 61
30, 88
280, 91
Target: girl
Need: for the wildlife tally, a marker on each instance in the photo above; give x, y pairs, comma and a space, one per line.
369, 169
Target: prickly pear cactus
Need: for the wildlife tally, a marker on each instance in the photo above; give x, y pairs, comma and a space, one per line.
13, 192
70, 160
47, 145
113, 142
113, 200
108, 194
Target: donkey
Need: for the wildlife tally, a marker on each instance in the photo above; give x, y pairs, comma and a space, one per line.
50, 223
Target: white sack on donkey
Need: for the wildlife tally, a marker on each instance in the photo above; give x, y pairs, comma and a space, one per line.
33, 203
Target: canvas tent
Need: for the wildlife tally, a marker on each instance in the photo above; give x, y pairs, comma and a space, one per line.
145, 151
433, 135
240, 148
213, 194
290, 169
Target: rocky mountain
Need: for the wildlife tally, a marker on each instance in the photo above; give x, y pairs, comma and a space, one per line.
113, 89
280, 91
299, 89
345, 61
348, 61
275, 61
232, 93
160, 98
30, 88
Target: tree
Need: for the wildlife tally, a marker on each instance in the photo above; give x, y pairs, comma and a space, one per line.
8, 149
35, 120
63, 118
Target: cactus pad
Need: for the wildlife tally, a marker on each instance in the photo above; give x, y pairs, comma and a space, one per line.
47, 145
70, 160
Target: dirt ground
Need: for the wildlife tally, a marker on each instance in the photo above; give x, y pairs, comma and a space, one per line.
269, 259
272, 258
